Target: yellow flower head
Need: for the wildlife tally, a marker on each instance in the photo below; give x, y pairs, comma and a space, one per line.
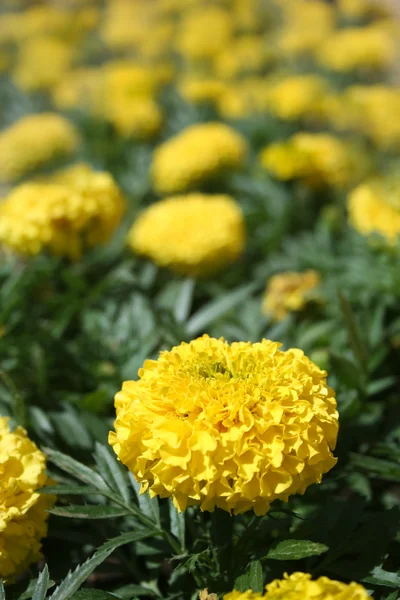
66, 213
23, 516
371, 47
300, 586
356, 9
246, 54
197, 154
318, 158
42, 63
194, 234
307, 23
374, 207
200, 91
78, 88
203, 32
288, 292
233, 426
296, 97
32, 142
139, 118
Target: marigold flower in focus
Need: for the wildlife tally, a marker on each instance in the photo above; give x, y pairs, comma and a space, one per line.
300, 586
233, 426
197, 154
34, 141
289, 292
66, 213
374, 207
194, 234
317, 158
23, 511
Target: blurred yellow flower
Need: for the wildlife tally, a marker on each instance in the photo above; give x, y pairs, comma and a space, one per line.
374, 207
202, 90
370, 47
247, 54
296, 96
317, 158
356, 9
23, 511
203, 32
307, 23
34, 141
65, 213
79, 88
289, 292
226, 425
300, 586
42, 63
194, 234
197, 154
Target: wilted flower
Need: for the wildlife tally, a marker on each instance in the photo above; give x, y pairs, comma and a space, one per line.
231, 426
317, 158
300, 586
32, 142
374, 207
23, 511
197, 154
194, 234
72, 210
289, 292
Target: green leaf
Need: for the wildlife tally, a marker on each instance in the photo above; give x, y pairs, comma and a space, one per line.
242, 583
93, 594
69, 490
74, 579
132, 589
111, 471
75, 468
379, 576
89, 511
177, 524
41, 585
218, 308
256, 577
346, 371
149, 506
392, 596
184, 300
2, 592
296, 550
353, 331
129, 538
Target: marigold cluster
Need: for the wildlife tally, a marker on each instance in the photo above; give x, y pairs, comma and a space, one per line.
34, 141
230, 426
194, 234
301, 586
374, 207
296, 97
289, 292
316, 158
66, 213
23, 511
197, 154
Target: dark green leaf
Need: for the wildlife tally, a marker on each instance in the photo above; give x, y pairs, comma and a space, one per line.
177, 524
256, 577
112, 472
89, 511
73, 467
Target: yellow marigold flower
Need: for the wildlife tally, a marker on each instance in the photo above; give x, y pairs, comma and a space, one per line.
197, 154
356, 9
127, 23
139, 118
194, 234
289, 292
318, 158
42, 63
246, 54
371, 47
203, 32
72, 210
307, 23
78, 88
34, 141
227, 425
23, 516
374, 207
300, 586
296, 96
200, 91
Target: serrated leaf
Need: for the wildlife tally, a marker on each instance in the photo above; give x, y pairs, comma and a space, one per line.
379, 576
149, 506
217, 308
74, 579
89, 511
128, 538
42, 585
296, 550
75, 468
111, 471
69, 490
256, 577
177, 524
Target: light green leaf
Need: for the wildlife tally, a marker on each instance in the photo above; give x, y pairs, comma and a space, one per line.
149, 506
112, 472
296, 550
184, 300
89, 511
2, 592
379, 576
128, 538
41, 585
69, 490
177, 524
75, 468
